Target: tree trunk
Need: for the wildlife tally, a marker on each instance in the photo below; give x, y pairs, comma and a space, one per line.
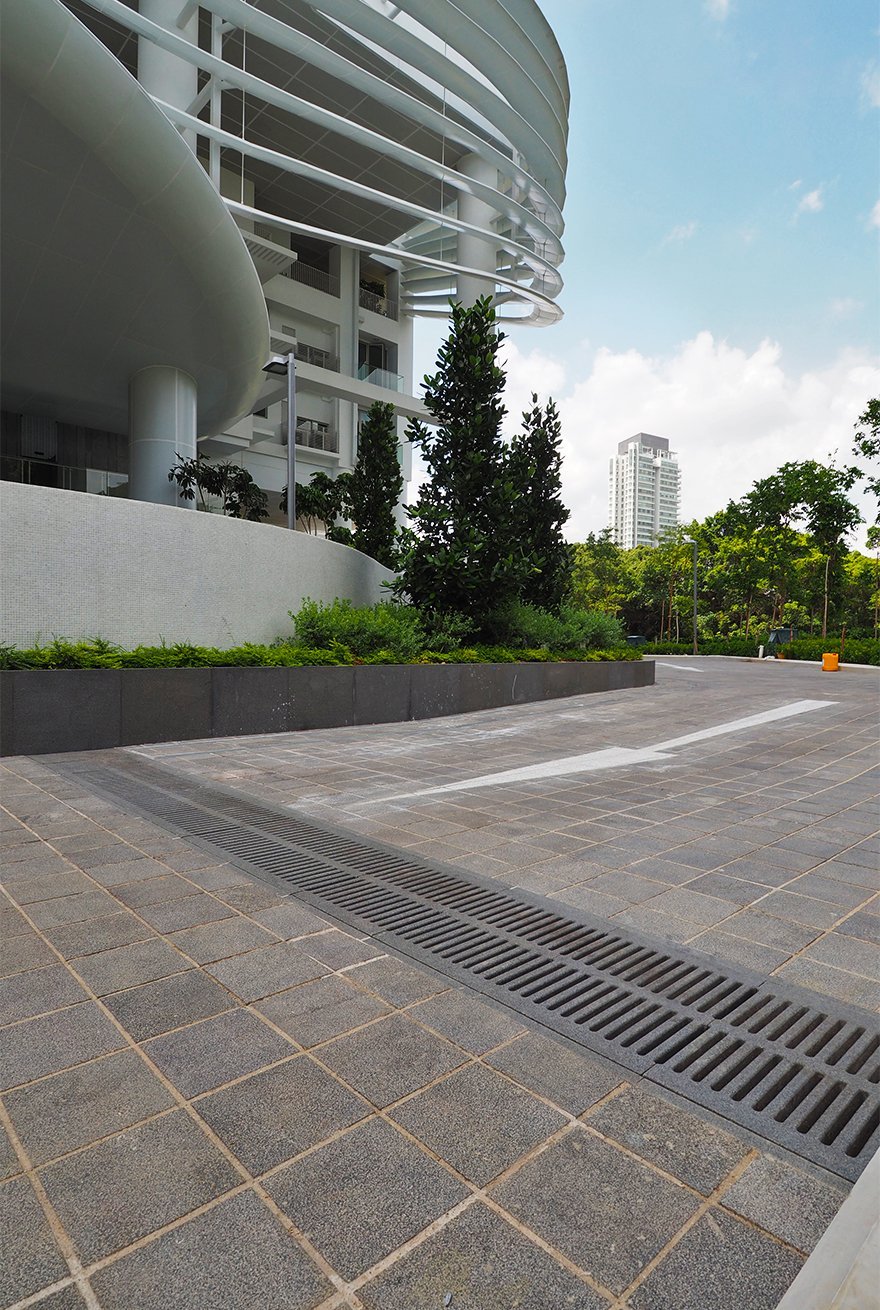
662, 616
748, 614
825, 600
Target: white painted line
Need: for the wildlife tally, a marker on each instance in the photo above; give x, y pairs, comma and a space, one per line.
615, 757
686, 668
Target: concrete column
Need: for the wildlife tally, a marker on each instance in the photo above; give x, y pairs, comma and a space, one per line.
161, 73
349, 277
162, 425
472, 252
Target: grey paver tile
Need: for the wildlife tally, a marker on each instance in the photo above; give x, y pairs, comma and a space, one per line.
591, 901
25, 1231
683, 903
805, 910
338, 949
22, 953
483, 1262
847, 953
726, 888
55, 1041
251, 896
44, 887
857, 875
362, 1196
121, 1189
68, 1298
399, 984
214, 1051
319, 1010
289, 919
126, 966
478, 1122
466, 1021
92, 935
166, 1003
153, 891
779, 934
665, 871
276, 1114
266, 970
785, 1201
390, 1059
126, 871
610, 1229
9, 1161
571, 1080
864, 924
187, 912
26, 994
214, 877
720, 1264
237, 1256
219, 941
81, 1105
72, 909
821, 888
646, 920
824, 978
629, 885
751, 955
689, 1148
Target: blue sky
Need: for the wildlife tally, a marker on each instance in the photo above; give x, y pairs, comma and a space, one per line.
721, 269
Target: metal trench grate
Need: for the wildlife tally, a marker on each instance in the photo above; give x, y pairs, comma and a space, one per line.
769, 1057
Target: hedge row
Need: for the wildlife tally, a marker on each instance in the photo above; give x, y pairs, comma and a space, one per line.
856, 650
100, 654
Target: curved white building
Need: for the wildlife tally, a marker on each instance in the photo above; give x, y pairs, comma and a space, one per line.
378, 158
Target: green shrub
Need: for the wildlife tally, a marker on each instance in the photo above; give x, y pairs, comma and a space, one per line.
517, 625
856, 650
364, 630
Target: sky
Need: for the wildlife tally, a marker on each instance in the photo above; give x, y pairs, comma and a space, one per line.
722, 225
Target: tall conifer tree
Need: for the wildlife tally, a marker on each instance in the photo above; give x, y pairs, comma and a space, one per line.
536, 469
375, 486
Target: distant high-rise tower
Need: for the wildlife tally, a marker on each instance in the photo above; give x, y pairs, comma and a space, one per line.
644, 490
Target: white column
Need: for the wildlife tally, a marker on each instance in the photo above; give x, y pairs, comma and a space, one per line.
162, 425
162, 74
472, 252
349, 276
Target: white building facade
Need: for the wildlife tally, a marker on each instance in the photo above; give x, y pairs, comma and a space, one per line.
377, 159
644, 491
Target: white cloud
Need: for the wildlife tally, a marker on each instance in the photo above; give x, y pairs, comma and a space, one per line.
732, 416
811, 203
874, 220
871, 86
717, 9
793, 186
844, 307
681, 233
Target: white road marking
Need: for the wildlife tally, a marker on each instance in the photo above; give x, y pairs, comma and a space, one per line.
686, 667
615, 757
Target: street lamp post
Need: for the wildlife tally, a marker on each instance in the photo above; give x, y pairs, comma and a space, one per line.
278, 365
689, 541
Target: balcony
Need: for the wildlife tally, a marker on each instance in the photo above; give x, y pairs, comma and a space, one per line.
314, 277
66, 477
376, 303
317, 356
314, 435
380, 377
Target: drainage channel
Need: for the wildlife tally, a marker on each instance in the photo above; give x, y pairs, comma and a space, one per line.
772, 1058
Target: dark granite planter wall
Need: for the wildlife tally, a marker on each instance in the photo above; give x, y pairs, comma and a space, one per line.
45, 711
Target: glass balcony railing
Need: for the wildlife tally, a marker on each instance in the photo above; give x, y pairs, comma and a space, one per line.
377, 303
380, 377
314, 436
66, 477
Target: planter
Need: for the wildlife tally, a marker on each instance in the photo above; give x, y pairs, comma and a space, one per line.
44, 711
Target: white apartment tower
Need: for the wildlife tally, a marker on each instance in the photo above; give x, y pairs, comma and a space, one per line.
645, 484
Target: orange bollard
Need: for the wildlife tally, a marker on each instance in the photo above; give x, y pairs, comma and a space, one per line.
830, 662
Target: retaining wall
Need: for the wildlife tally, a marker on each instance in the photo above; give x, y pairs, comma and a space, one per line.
56, 710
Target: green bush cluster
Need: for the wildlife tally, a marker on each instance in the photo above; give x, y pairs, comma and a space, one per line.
343, 634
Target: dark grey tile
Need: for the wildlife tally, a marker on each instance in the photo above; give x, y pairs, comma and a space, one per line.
480, 1261
319, 1010
823, 888
571, 1080
655, 924
857, 875
687, 1147
478, 1122
251, 896
720, 1264
399, 984
390, 1058
290, 920
829, 981
55, 1041
126, 966
168, 1003
13, 924
111, 1194
9, 1161
69, 1298
338, 950
187, 912
25, 1231
756, 926
21, 953
751, 955
274, 1115
219, 941
805, 910
847, 953
719, 884
467, 1021
127, 871
683, 903
785, 1201
152, 891
32, 886
72, 909
214, 877
215, 1051
27, 994
235, 1257
610, 1228
266, 970
81, 1105
628, 885
863, 924
93, 935
362, 1196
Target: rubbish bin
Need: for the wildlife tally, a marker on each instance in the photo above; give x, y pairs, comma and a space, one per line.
830, 662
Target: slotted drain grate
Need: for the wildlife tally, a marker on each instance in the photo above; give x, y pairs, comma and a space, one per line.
765, 1055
